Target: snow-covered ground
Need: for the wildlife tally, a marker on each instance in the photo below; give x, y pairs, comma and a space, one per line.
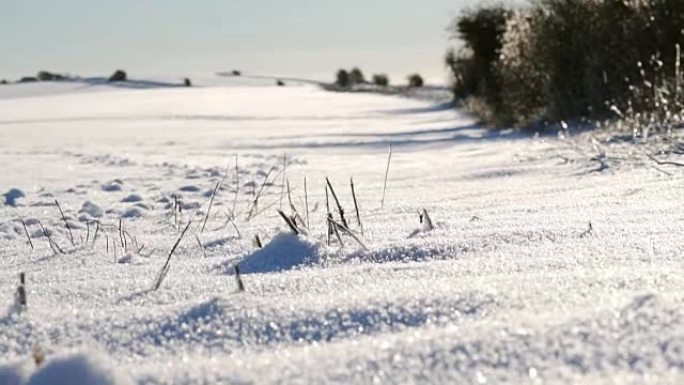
509, 286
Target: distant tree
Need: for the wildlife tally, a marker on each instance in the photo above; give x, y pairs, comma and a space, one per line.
342, 79
415, 80
118, 76
380, 80
45, 76
356, 76
236, 73
187, 82
3, 81
28, 79
280, 83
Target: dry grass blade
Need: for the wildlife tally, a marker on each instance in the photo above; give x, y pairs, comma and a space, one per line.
176, 206
426, 221
328, 229
162, 273
66, 224
128, 236
664, 162
97, 231
299, 222
678, 71
237, 184
356, 205
211, 202
350, 233
199, 243
588, 231
306, 204
232, 222
282, 186
384, 185
121, 234
238, 279
327, 200
38, 355
20, 300
264, 209
30, 242
213, 196
334, 230
258, 195
53, 245
289, 222
337, 202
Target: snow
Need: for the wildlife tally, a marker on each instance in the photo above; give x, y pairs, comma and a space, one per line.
132, 198
13, 374
81, 368
507, 286
284, 252
133, 212
112, 186
92, 209
85, 368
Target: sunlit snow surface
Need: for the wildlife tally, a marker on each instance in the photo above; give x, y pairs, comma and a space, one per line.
507, 288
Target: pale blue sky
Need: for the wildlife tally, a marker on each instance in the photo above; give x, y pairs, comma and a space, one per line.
175, 37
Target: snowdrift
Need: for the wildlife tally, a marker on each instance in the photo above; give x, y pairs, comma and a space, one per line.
285, 251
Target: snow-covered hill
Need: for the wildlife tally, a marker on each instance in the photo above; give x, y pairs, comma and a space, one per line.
509, 286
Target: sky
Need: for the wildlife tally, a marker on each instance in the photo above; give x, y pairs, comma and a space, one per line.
308, 38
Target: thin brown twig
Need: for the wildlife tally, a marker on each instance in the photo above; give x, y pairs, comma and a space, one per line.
211, 202
238, 279
51, 243
333, 228
337, 202
384, 185
204, 252
663, 162
66, 224
282, 186
289, 222
121, 234
350, 233
356, 205
237, 183
306, 204
26, 231
97, 230
167, 265
258, 195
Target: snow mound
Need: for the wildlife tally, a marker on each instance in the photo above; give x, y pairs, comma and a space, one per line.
12, 195
114, 185
125, 259
285, 251
133, 212
81, 368
91, 209
190, 188
132, 198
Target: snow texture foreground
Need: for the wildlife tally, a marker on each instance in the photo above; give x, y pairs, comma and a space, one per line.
508, 286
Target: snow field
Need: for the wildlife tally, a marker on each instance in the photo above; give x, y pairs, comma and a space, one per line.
508, 287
